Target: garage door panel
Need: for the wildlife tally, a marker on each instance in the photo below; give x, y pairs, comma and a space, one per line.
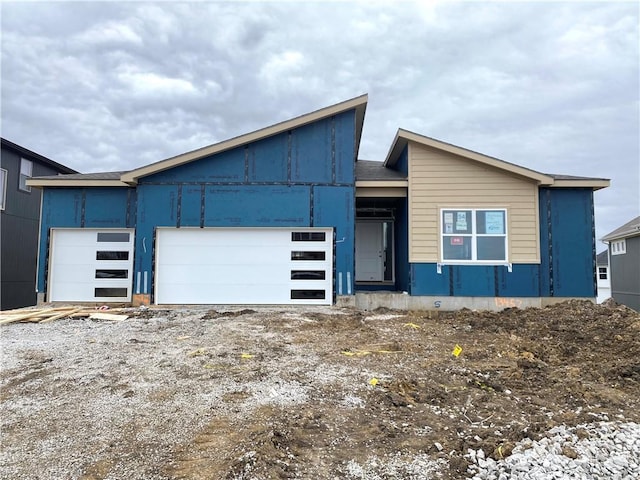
230, 255
242, 266
76, 272
221, 274
188, 293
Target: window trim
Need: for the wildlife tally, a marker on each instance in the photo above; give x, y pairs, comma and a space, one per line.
26, 188
4, 174
474, 235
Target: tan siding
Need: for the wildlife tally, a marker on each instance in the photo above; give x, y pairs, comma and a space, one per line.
439, 179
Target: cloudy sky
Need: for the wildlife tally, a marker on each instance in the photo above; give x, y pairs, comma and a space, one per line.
102, 86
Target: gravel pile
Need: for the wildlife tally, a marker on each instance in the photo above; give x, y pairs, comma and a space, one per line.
600, 450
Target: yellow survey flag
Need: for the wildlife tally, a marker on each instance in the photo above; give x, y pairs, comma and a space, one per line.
457, 350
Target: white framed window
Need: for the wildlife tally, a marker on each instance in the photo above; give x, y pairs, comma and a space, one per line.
474, 235
3, 188
26, 171
619, 247
602, 273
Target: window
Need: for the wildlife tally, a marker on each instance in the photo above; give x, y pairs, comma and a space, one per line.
111, 255
619, 247
26, 171
308, 275
602, 273
308, 236
113, 237
307, 255
112, 273
3, 188
308, 294
474, 235
110, 292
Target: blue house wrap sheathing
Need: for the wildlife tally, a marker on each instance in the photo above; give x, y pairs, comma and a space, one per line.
287, 215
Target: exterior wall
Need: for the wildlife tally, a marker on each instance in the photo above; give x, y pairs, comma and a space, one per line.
567, 238
624, 270
301, 178
82, 208
402, 247
439, 179
19, 234
567, 267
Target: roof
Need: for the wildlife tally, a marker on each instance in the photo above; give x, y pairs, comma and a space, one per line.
97, 179
25, 152
367, 170
130, 177
403, 137
629, 229
602, 258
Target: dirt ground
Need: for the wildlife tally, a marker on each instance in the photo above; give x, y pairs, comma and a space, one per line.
269, 393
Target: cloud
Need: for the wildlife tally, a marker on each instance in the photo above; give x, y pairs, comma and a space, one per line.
115, 85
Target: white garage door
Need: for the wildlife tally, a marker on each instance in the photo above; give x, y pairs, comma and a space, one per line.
244, 266
90, 265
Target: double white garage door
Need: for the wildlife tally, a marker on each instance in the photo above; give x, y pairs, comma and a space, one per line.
200, 266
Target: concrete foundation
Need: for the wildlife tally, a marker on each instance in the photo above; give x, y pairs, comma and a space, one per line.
41, 298
403, 301
140, 299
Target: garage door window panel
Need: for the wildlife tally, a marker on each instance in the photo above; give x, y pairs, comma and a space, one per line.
112, 255
308, 236
112, 273
111, 292
116, 237
308, 256
308, 275
308, 294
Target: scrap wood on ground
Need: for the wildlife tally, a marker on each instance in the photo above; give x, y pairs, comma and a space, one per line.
49, 314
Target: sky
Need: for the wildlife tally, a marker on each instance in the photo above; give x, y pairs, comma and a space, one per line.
108, 86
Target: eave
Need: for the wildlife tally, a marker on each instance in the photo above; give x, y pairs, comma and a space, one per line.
50, 182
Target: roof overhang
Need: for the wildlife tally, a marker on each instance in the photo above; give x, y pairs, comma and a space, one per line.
357, 103
593, 183
630, 229
403, 137
62, 182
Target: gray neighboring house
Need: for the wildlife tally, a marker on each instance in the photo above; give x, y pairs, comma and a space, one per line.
19, 222
624, 263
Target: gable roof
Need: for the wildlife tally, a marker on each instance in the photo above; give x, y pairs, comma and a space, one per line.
403, 137
31, 155
629, 229
130, 177
357, 103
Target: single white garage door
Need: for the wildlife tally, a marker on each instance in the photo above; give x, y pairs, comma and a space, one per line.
244, 266
90, 265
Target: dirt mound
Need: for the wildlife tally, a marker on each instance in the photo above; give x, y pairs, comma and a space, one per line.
312, 393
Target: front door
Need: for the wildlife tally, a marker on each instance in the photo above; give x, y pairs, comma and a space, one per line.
369, 252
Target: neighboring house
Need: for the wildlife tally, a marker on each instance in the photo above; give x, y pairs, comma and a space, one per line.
624, 263
602, 276
287, 215
19, 216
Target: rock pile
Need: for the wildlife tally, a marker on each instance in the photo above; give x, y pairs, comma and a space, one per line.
586, 452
